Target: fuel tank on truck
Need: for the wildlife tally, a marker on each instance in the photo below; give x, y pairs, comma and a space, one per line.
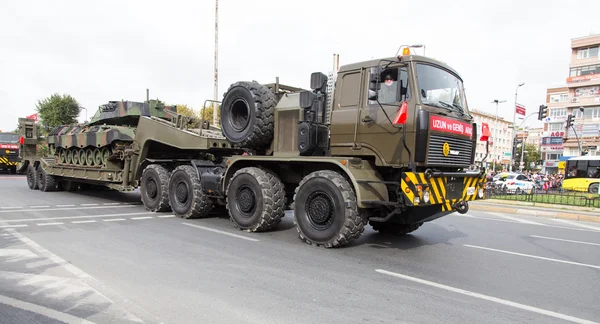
104, 137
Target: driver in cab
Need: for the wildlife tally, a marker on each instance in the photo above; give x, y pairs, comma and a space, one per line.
388, 93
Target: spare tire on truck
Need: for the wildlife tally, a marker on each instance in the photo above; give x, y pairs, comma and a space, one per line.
247, 115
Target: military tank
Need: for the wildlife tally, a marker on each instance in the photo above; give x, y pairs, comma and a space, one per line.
104, 138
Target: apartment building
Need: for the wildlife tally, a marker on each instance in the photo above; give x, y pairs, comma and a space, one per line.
500, 144
579, 97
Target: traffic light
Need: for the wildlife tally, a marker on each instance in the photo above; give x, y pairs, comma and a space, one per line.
543, 112
570, 120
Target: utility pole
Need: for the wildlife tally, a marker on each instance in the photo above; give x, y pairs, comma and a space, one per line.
216, 86
522, 150
496, 101
514, 131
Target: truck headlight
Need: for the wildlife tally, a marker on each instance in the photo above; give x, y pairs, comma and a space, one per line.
480, 193
426, 197
416, 201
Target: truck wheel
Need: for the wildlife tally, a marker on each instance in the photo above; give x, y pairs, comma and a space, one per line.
154, 188
325, 210
32, 177
394, 228
46, 182
185, 194
255, 199
593, 189
247, 115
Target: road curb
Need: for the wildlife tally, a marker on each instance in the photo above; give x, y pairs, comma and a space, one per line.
537, 213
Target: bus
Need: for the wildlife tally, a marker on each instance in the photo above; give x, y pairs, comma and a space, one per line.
582, 174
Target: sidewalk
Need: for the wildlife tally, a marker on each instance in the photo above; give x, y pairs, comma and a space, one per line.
587, 214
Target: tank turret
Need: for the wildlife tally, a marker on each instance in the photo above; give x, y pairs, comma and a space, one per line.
104, 138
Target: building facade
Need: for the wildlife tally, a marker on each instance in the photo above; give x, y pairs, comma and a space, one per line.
500, 142
579, 97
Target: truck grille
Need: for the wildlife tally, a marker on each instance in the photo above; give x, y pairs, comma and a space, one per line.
435, 155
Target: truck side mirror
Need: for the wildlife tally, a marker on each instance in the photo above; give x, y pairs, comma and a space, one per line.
307, 99
374, 82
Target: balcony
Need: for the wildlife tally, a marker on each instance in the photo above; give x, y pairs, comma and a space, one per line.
583, 102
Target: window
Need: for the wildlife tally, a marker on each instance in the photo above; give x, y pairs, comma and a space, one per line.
559, 97
587, 52
584, 70
394, 86
350, 87
583, 169
587, 113
554, 127
560, 112
553, 156
9, 138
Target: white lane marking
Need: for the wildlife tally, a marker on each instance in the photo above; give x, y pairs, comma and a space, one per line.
114, 219
58, 209
516, 219
563, 240
166, 216
48, 224
12, 226
59, 206
74, 217
576, 223
488, 298
88, 204
13, 207
221, 232
85, 277
510, 221
534, 256
83, 222
40, 206
143, 217
111, 204
48, 312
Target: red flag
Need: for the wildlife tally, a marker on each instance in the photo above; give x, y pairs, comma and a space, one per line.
34, 117
485, 132
520, 110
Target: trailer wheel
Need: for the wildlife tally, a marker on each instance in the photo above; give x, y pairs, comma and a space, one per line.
46, 182
185, 194
247, 115
154, 188
32, 177
325, 210
394, 228
255, 199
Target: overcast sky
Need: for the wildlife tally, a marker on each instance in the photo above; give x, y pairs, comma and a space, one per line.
112, 50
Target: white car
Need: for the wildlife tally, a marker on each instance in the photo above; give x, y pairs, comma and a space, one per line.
514, 183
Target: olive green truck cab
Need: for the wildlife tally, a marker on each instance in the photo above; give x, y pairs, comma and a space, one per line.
388, 142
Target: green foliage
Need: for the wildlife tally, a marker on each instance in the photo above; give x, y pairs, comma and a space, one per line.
57, 110
532, 154
206, 113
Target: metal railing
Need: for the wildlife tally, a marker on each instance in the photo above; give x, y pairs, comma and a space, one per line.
559, 196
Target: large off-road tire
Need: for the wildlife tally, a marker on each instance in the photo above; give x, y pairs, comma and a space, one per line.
186, 197
395, 228
247, 115
32, 177
593, 189
255, 199
325, 210
46, 182
154, 188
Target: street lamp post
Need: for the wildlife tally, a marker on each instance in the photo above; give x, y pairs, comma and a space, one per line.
514, 122
522, 166
496, 101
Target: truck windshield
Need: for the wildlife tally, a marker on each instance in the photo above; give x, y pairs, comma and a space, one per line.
9, 138
437, 87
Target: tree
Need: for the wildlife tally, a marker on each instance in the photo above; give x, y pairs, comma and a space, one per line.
208, 114
532, 154
57, 110
184, 110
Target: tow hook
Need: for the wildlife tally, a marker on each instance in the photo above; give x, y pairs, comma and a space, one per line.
462, 207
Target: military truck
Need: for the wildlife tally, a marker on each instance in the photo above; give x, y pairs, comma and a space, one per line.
386, 142
9, 152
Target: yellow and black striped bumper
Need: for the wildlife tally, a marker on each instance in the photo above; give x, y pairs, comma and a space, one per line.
415, 184
4, 161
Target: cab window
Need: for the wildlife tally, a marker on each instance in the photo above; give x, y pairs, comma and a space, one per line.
393, 87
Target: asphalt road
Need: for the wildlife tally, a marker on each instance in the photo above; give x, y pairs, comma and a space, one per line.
100, 256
